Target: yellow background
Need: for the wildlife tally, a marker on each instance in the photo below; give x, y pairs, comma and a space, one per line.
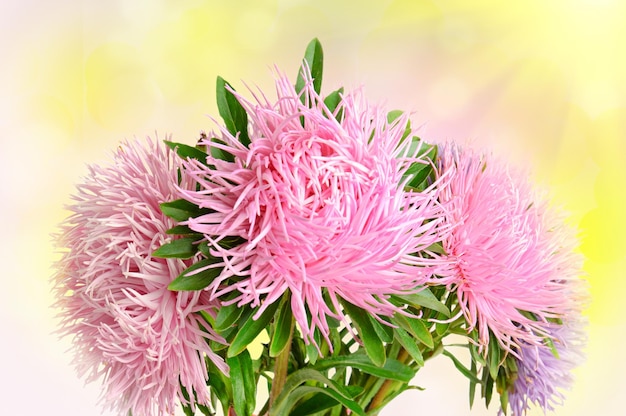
541, 83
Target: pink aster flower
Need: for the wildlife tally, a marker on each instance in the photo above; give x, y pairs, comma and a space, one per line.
510, 252
127, 327
321, 205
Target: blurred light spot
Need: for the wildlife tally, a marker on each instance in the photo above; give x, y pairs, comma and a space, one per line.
597, 96
119, 94
457, 35
447, 97
254, 29
141, 10
409, 13
52, 116
604, 228
187, 53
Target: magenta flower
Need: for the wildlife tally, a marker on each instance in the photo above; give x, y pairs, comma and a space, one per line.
145, 340
321, 205
510, 252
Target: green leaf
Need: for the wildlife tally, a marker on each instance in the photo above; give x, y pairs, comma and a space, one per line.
183, 248
314, 57
371, 341
550, 343
243, 383
186, 151
472, 387
231, 110
183, 230
487, 386
393, 116
220, 386
231, 242
384, 332
320, 401
291, 393
494, 356
219, 153
459, 366
180, 209
409, 344
205, 410
250, 329
204, 248
418, 172
392, 369
441, 327
227, 316
283, 326
415, 327
199, 280
312, 351
424, 298
332, 100
504, 400
186, 408
302, 391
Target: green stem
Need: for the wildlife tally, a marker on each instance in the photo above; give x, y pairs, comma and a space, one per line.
281, 365
381, 394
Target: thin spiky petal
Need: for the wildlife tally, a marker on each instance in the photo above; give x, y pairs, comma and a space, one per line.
510, 252
321, 205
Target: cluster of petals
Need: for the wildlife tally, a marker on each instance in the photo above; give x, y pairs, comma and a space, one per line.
510, 252
127, 327
545, 370
319, 199
545, 373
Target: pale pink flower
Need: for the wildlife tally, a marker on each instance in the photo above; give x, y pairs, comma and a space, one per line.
322, 207
127, 327
510, 252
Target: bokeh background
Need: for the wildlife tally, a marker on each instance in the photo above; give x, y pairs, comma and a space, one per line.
541, 83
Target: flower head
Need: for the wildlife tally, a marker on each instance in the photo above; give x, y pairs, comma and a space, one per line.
510, 253
319, 199
544, 372
127, 326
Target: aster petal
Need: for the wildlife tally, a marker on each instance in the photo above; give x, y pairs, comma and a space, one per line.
321, 205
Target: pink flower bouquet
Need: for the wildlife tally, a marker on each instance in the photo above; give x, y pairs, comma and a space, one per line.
327, 224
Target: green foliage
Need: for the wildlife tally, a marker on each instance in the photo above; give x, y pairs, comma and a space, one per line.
193, 278
417, 175
391, 369
186, 151
422, 298
243, 383
283, 326
459, 366
314, 59
416, 328
371, 341
232, 112
182, 210
317, 383
394, 115
332, 101
183, 248
250, 328
337, 374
